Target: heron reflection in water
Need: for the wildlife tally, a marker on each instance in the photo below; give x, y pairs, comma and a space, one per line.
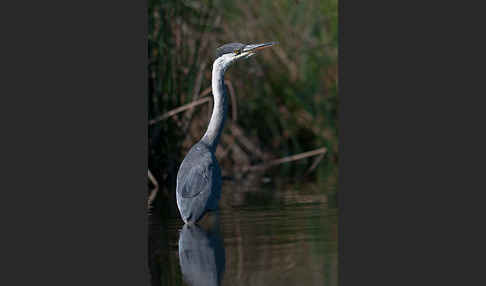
199, 178
201, 255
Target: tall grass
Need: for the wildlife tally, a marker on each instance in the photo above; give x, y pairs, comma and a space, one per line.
284, 100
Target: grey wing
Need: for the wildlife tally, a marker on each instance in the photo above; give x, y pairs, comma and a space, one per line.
195, 180
197, 188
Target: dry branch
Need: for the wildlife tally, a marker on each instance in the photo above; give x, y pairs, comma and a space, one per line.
239, 134
196, 95
285, 160
314, 164
197, 102
155, 190
234, 109
179, 109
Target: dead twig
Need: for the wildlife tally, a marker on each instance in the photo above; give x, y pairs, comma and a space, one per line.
234, 108
285, 160
195, 96
314, 165
153, 193
179, 109
197, 102
239, 134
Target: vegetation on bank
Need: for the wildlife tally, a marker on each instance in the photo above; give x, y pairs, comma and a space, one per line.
283, 102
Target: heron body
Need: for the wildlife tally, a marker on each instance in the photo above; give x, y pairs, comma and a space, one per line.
198, 183
198, 187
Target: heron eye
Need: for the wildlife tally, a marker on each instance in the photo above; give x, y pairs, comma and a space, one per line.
236, 52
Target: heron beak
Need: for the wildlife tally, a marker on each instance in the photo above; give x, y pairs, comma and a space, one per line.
253, 48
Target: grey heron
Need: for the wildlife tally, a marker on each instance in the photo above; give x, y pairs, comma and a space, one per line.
198, 187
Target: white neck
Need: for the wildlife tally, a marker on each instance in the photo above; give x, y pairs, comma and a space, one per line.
216, 124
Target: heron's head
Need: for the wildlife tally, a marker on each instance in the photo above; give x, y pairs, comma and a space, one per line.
232, 52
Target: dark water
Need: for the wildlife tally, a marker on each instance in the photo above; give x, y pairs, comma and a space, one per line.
261, 236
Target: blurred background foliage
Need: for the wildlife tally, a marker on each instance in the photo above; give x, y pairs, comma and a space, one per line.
283, 101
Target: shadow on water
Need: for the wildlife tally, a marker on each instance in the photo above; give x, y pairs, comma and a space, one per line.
201, 255
262, 236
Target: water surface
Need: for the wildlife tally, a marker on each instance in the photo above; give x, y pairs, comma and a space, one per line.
261, 236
